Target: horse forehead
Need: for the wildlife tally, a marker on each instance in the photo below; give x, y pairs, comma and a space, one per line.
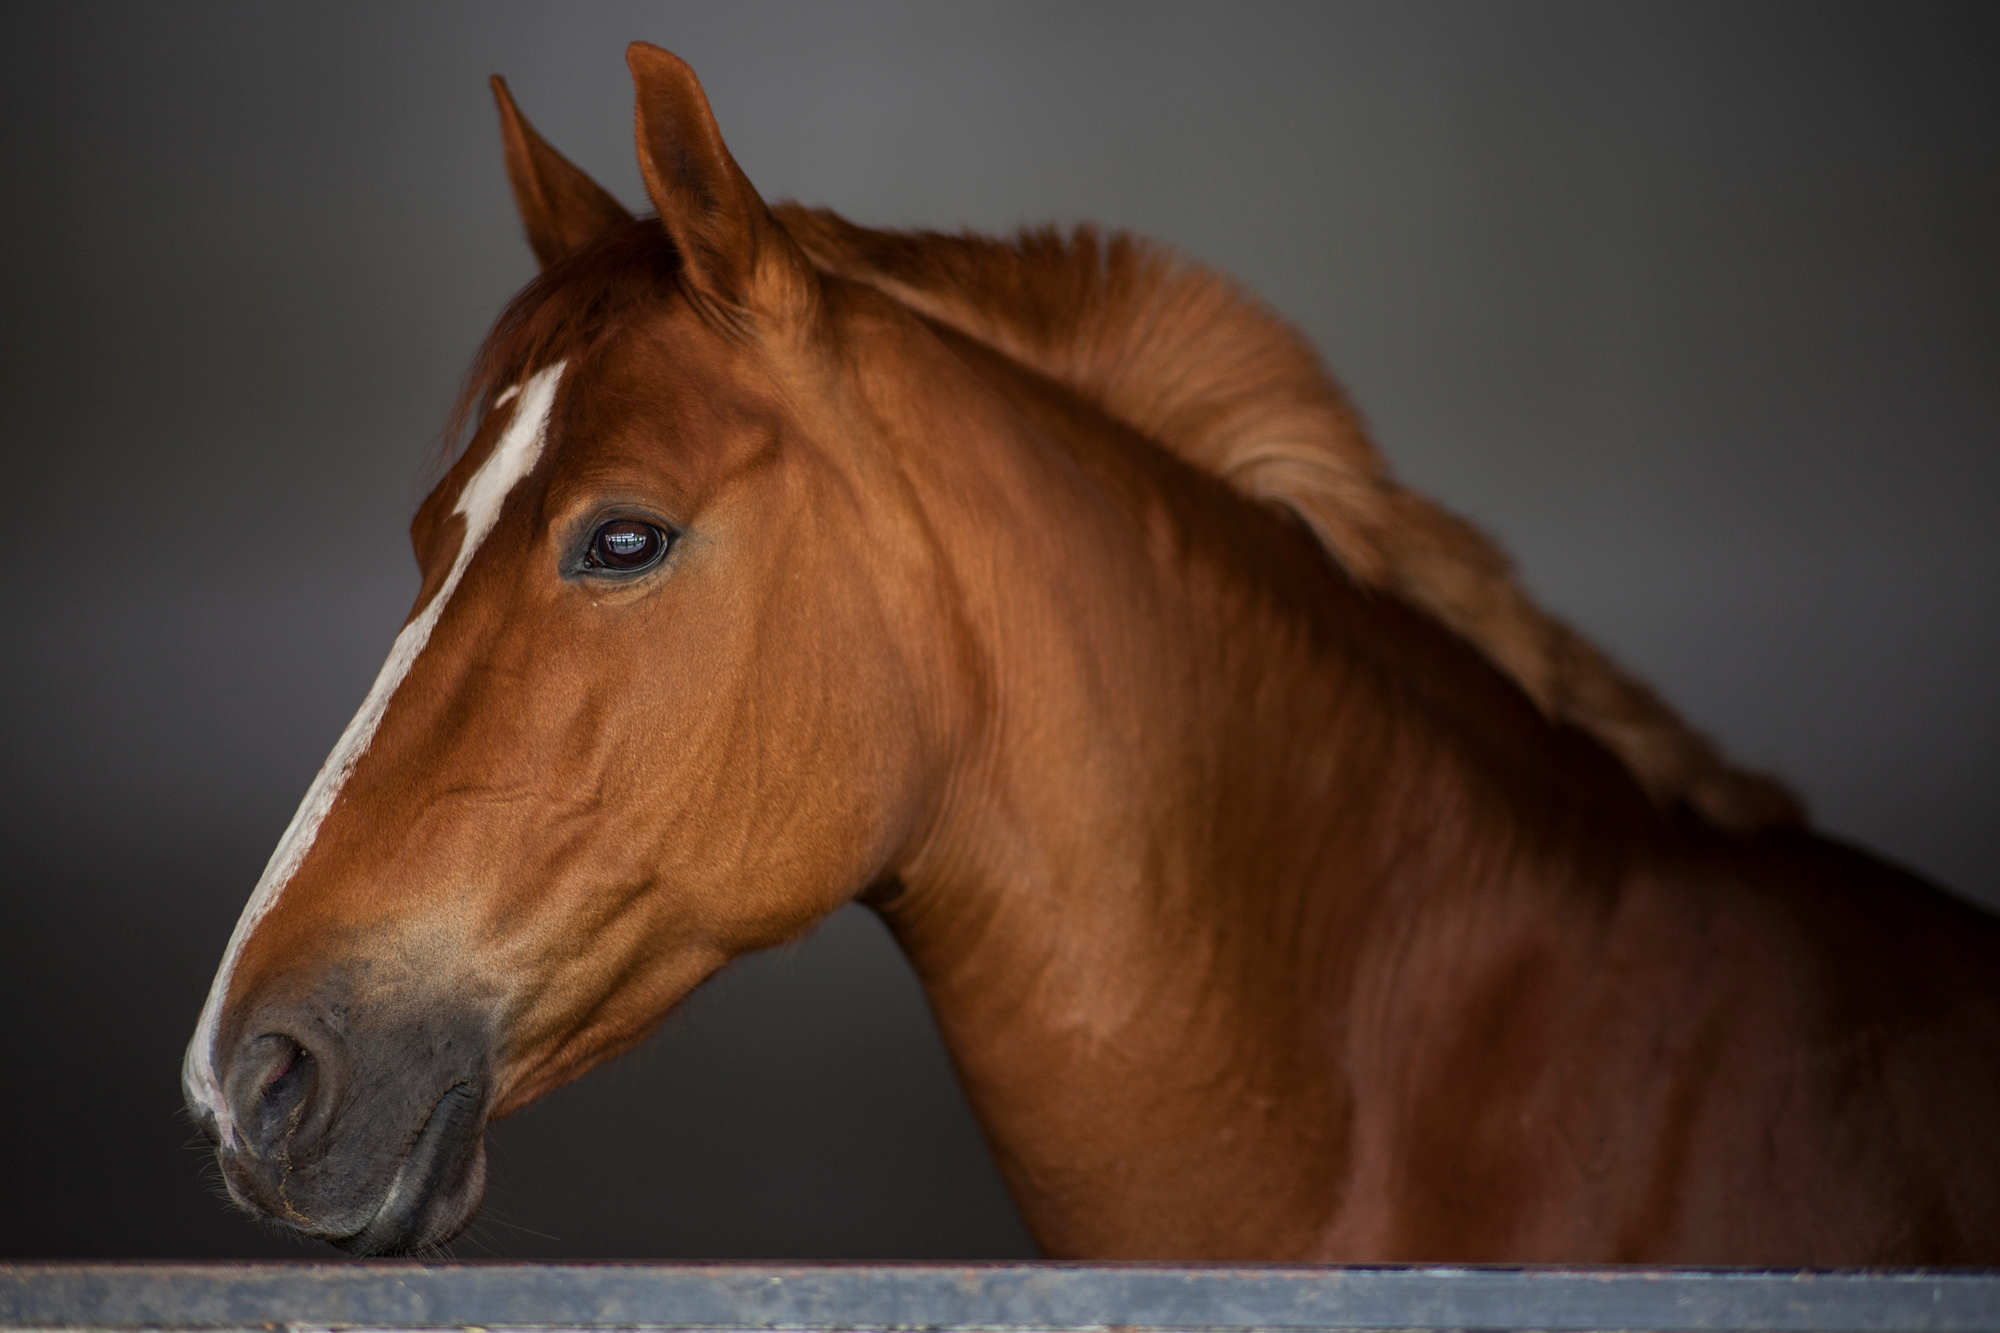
657, 404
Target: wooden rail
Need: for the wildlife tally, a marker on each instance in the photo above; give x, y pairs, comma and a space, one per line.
310, 1296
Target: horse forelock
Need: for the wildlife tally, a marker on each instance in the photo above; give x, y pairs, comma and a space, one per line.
566, 310
480, 498
1196, 364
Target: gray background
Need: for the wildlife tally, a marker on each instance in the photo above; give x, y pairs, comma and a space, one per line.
1696, 307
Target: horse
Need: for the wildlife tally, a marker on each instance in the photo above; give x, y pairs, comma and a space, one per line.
1285, 883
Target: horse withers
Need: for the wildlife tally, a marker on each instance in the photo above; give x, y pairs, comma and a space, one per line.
1285, 883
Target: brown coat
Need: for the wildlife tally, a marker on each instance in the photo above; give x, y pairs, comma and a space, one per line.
1286, 884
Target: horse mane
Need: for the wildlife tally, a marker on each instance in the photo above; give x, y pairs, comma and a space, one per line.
1190, 360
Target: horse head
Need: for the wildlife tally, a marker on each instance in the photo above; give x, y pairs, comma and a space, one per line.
657, 703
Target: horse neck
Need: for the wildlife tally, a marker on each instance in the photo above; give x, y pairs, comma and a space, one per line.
1207, 784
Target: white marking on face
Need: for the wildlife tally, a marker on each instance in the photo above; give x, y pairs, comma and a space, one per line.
513, 457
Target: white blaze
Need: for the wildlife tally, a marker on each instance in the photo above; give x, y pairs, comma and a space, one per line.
512, 459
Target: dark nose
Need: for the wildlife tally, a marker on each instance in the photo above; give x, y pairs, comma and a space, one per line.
361, 1123
279, 1090
283, 1079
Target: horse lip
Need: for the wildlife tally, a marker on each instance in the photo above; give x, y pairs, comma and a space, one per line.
454, 1116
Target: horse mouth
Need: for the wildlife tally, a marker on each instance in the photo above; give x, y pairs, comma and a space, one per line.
437, 1186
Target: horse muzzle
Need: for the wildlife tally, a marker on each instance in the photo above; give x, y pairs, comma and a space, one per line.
364, 1128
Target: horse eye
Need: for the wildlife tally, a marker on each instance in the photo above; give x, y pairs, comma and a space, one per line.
625, 544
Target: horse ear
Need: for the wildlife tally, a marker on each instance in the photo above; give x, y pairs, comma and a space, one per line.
563, 209
717, 219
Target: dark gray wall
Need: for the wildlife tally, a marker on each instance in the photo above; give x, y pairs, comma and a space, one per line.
1697, 307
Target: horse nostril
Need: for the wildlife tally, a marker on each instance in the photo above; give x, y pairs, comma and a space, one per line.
288, 1077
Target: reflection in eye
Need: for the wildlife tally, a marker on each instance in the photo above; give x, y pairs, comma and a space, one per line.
625, 544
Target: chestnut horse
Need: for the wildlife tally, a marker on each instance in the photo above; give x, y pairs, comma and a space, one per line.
1286, 885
